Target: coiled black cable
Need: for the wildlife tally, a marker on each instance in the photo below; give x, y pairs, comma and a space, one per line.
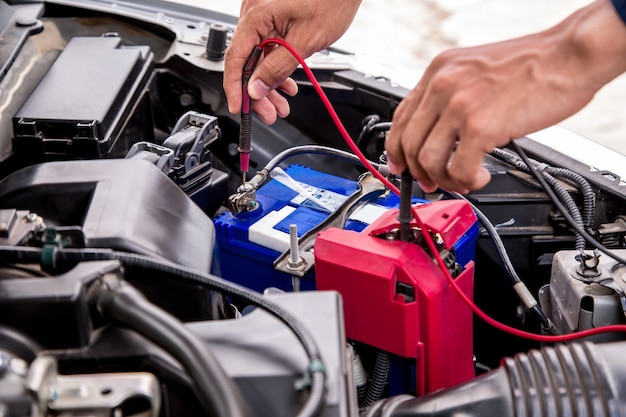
560, 191
376, 384
589, 197
563, 210
571, 205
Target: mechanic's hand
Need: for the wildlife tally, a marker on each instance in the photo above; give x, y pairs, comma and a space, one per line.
308, 25
472, 100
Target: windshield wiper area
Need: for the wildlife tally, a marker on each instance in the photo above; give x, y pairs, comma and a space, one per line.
17, 23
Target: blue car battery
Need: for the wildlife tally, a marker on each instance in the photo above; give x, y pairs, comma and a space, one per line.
249, 243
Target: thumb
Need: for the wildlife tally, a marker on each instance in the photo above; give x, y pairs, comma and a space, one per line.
275, 67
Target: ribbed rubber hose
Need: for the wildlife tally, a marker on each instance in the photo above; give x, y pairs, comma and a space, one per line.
559, 190
589, 197
567, 380
380, 376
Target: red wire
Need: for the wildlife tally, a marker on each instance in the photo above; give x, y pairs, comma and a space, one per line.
483, 316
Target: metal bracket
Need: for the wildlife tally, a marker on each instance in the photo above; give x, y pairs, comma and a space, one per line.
185, 154
369, 189
98, 395
17, 226
589, 272
190, 137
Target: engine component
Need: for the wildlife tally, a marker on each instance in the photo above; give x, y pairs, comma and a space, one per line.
65, 323
612, 234
185, 157
14, 400
99, 394
123, 304
267, 371
18, 226
585, 291
570, 380
116, 203
395, 297
267, 364
216, 42
70, 116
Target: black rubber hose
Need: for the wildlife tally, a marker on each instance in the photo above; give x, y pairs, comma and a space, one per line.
213, 387
567, 380
371, 125
366, 130
316, 366
378, 381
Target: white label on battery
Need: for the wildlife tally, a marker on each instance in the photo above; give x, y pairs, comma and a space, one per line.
263, 233
369, 213
327, 199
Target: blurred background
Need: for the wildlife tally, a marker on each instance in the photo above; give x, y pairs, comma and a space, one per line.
405, 35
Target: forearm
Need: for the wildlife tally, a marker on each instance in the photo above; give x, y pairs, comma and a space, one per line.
472, 100
597, 36
620, 7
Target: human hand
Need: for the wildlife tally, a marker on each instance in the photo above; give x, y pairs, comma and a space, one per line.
474, 99
308, 25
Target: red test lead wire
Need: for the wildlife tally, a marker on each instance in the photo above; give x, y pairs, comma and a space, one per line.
346, 136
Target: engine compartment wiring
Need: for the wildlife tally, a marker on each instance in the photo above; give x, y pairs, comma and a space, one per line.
428, 239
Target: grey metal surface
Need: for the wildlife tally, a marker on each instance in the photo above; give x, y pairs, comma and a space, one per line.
574, 304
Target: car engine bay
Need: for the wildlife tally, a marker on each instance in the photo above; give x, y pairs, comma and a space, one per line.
140, 276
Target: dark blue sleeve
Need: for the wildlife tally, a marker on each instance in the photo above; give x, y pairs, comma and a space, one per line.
620, 6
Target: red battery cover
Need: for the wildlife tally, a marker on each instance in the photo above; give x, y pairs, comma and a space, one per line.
434, 326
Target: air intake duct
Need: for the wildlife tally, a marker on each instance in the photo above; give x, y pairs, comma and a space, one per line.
567, 380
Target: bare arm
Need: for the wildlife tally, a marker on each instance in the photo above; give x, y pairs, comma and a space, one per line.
485, 96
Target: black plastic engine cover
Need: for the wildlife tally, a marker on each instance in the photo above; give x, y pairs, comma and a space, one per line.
82, 106
126, 205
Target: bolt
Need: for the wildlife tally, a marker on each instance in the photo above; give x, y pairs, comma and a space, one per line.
25, 22
31, 217
295, 261
186, 100
232, 149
